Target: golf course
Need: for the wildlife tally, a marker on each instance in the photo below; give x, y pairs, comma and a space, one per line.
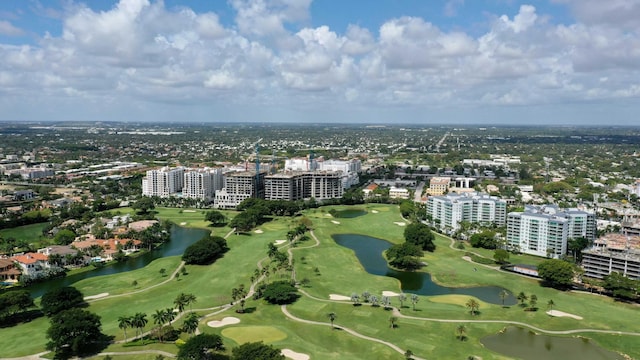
328, 274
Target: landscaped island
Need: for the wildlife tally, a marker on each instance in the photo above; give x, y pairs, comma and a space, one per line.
439, 326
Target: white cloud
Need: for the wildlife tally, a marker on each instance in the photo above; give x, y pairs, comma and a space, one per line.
6, 28
140, 53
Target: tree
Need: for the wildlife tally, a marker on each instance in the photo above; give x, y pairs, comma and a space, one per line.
473, 306
374, 301
163, 272
550, 304
533, 301
332, 317
504, 294
205, 251
216, 218
190, 324
393, 322
355, 298
14, 302
408, 354
256, 350
144, 205
159, 318
200, 346
139, 321
414, 300
556, 273
576, 245
522, 297
620, 286
461, 331
60, 299
420, 234
405, 256
402, 297
485, 239
386, 302
75, 332
501, 256
64, 237
123, 323
180, 302
280, 292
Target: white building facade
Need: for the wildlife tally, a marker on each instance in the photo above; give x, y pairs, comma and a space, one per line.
164, 182
202, 183
451, 209
545, 230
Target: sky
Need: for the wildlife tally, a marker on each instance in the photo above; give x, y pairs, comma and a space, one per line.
545, 62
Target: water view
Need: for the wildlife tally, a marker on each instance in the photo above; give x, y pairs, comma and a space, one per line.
524, 344
181, 238
369, 251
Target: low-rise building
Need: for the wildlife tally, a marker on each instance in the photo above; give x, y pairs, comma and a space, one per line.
32, 264
398, 193
613, 253
8, 271
438, 185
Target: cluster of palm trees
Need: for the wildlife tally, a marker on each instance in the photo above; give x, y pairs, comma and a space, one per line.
161, 317
385, 301
137, 321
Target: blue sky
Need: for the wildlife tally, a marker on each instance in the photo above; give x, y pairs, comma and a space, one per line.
384, 61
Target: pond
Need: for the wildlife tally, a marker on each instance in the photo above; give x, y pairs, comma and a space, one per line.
181, 238
348, 213
369, 251
524, 344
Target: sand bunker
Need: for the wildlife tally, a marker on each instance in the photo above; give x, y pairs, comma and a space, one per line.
374, 211
399, 223
390, 293
224, 322
294, 355
338, 297
278, 242
183, 223
329, 215
335, 222
258, 231
188, 211
558, 313
98, 296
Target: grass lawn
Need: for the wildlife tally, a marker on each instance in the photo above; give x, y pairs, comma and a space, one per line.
333, 269
31, 233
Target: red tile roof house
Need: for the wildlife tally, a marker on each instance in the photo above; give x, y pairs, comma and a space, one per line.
32, 264
8, 271
110, 246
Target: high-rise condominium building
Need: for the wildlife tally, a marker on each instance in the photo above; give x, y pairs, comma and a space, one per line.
447, 211
202, 183
164, 182
545, 230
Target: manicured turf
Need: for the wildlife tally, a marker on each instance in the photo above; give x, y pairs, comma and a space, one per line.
339, 272
245, 334
31, 233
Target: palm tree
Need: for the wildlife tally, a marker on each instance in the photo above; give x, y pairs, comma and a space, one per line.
402, 297
159, 319
189, 300
332, 317
365, 296
473, 306
533, 300
414, 300
190, 324
392, 322
180, 302
522, 297
374, 300
504, 294
139, 321
355, 298
461, 330
550, 304
408, 354
386, 302
123, 323
169, 315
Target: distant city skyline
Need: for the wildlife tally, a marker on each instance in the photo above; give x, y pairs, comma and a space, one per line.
551, 62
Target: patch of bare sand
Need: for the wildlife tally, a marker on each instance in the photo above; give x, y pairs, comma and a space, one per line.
278, 242
558, 313
390, 293
295, 355
338, 297
335, 222
258, 231
229, 320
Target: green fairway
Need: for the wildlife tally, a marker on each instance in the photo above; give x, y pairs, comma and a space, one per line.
30, 233
333, 269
